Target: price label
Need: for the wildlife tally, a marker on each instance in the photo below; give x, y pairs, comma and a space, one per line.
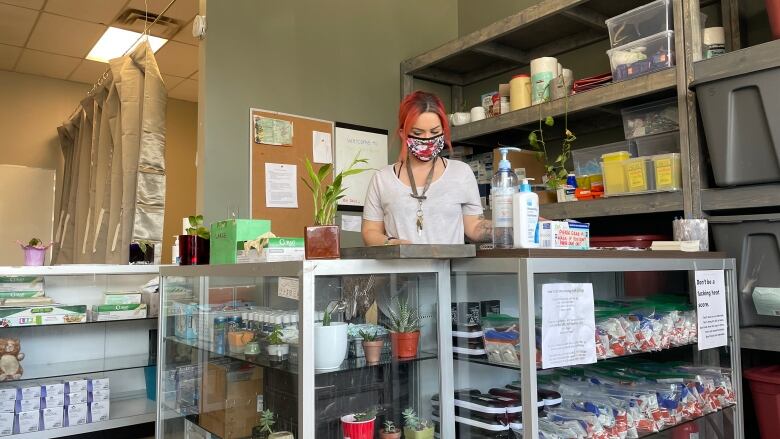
288, 287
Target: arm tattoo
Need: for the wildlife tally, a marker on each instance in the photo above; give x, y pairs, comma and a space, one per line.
484, 229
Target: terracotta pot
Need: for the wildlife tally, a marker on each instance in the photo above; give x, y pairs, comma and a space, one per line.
414, 434
373, 350
383, 435
193, 250
322, 242
404, 344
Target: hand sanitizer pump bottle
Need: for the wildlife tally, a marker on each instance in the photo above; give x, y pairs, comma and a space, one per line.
502, 189
525, 215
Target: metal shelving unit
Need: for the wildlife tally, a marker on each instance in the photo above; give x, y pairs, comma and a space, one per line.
624, 205
519, 274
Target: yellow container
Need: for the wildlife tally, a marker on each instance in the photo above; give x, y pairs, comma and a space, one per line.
637, 174
613, 173
668, 175
519, 92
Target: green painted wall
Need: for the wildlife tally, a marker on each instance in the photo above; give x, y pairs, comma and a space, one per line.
335, 60
475, 14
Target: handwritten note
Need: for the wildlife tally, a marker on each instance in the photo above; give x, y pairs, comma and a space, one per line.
711, 309
288, 287
568, 325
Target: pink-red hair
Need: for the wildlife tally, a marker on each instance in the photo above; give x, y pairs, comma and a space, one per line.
412, 106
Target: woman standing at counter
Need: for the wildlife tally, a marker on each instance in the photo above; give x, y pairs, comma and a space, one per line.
423, 198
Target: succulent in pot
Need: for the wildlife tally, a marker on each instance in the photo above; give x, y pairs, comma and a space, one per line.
404, 329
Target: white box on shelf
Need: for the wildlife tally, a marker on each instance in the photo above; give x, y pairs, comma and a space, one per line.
76, 414
8, 393
103, 313
570, 235
7, 424
100, 395
99, 384
29, 391
54, 401
99, 411
76, 398
28, 405
121, 297
28, 422
52, 417
8, 406
78, 385
53, 389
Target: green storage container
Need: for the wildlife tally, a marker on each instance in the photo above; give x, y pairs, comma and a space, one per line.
228, 236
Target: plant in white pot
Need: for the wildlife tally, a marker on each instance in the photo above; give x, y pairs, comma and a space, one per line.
277, 349
416, 428
330, 339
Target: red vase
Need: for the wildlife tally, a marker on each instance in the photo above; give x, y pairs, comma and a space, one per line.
322, 242
193, 250
357, 430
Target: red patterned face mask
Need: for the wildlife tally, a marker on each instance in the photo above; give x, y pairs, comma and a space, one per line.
425, 149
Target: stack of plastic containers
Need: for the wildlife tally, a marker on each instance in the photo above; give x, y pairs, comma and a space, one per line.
642, 40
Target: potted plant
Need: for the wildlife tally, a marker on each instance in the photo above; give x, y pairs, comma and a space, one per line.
194, 246
555, 171
142, 252
416, 428
264, 429
372, 346
330, 339
277, 348
321, 240
359, 425
390, 431
34, 252
404, 330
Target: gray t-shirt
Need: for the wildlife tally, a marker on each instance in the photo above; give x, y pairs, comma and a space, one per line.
449, 198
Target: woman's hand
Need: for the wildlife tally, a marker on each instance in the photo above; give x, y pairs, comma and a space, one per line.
398, 242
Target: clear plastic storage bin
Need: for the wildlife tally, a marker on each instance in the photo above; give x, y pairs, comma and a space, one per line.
667, 172
639, 175
613, 173
642, 22
587, 161
642, 56
665, 143
652, 118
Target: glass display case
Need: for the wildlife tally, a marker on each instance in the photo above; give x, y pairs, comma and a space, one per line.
72, 364
312, 348
642, 375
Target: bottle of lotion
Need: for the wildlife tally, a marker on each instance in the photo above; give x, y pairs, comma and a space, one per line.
525, 217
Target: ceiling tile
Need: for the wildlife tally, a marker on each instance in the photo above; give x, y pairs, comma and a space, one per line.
182, 10
96, 11
178, 59
15, 24
185, 35
187, 90
46, 64
31, 4
8, 56
65, 36
88, 71
171, 81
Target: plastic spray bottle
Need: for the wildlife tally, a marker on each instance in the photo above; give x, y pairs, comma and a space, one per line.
525, 216
502, 189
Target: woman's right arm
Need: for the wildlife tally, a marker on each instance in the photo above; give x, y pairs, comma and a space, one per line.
374, 234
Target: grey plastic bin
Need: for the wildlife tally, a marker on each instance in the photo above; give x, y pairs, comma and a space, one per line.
754, 241
740, 111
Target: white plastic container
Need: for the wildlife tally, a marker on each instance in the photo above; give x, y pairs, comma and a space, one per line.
641, 22
525, 217
642, 56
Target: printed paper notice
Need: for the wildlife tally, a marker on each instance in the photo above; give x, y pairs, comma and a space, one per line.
711, 309
568, 325
322, 148
271, 131
288, 287
351, 223
281, 185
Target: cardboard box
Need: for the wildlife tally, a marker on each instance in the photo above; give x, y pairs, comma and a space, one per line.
229, 398
525, 160
130, 311
569, 235
76, 414
98, 411
21, 287
152, 301
227, 237
7, 406
28, 405
29, 391
28, 422
96, 384
8, 393
185, 320
277, 250
54, 401
42, 315
81, 397
193, 431
52, 417
7, 424
121, 298
53, 389
99, 395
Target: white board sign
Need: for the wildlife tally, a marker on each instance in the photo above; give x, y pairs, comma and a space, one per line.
568, 325
370, 144
711, 309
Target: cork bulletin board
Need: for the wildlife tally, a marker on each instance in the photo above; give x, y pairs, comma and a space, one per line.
283, 139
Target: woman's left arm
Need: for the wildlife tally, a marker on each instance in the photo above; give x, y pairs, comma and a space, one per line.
477, 228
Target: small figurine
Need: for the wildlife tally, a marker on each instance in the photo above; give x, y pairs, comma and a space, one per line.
10, 357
